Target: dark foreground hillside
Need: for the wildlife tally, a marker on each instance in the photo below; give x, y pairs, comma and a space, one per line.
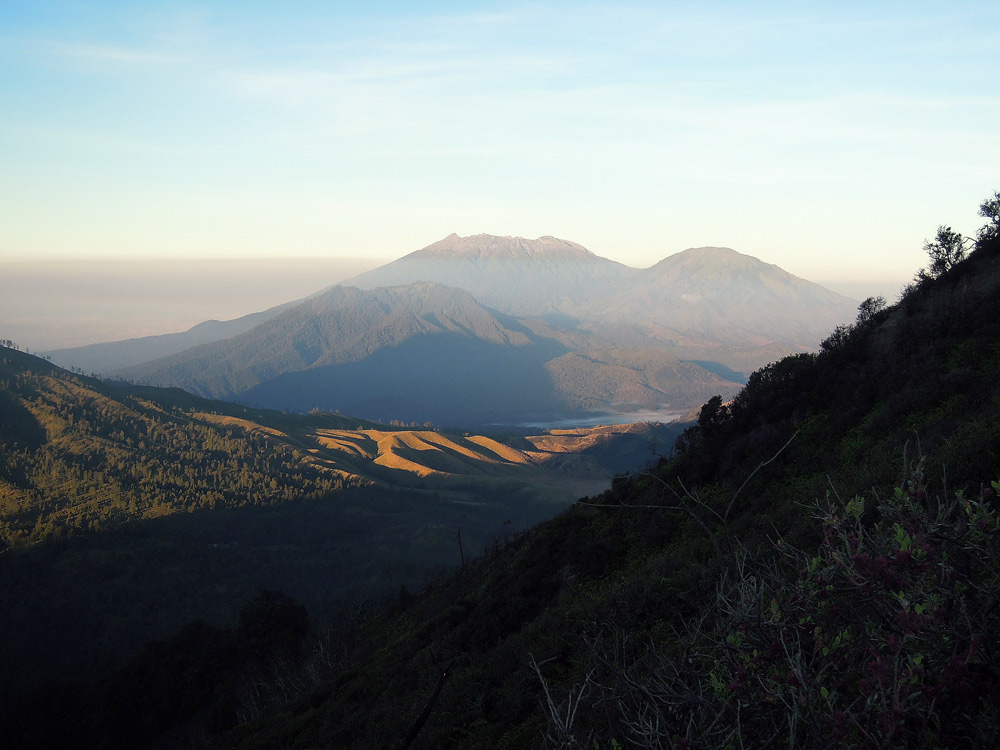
127, 512
818, 567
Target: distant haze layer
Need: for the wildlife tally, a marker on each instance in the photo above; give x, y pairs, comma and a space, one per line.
889, 288
49, 305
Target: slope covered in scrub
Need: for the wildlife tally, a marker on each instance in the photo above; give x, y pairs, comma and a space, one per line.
817, 567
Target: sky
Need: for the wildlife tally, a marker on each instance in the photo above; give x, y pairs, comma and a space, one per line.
829, 138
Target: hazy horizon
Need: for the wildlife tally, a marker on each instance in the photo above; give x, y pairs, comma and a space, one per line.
50, 305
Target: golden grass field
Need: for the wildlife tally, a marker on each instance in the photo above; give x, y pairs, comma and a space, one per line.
553, 460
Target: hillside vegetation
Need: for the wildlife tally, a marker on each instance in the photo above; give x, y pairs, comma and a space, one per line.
79, 455
818, 568
126, 511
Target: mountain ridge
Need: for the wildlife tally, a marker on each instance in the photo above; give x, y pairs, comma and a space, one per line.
778, 312
523, 303
510, 274
513, 275
506, 246
109, 356
418, 352
719, 297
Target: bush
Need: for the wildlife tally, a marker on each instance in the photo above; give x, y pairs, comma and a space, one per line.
947, 249
884, 637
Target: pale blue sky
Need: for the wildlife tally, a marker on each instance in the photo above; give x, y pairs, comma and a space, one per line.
829, 138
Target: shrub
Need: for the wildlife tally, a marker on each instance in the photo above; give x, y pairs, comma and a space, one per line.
884, 637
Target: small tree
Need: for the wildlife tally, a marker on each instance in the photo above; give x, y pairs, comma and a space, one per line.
837, 339
990, 209
869, 309
713, 413
947, 249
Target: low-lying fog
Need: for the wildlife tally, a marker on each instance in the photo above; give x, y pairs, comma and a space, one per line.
643, 415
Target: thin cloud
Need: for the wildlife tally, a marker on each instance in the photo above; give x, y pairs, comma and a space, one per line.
374, 75
108, 53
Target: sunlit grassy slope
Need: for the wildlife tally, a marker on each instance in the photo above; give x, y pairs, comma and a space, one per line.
80, 455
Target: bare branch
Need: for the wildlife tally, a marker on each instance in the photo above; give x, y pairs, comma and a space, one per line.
759, 467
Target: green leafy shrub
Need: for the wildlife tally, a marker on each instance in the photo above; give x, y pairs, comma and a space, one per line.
883, 637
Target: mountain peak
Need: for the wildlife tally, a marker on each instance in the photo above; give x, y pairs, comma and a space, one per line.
514, 275
719, 267
483, 246
710, 255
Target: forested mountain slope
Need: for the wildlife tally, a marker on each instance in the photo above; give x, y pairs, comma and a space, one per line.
80, 455
127, 511
817, 568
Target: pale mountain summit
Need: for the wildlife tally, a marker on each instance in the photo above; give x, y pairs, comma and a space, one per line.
545, 248
706, 303
716, 303
510, 274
